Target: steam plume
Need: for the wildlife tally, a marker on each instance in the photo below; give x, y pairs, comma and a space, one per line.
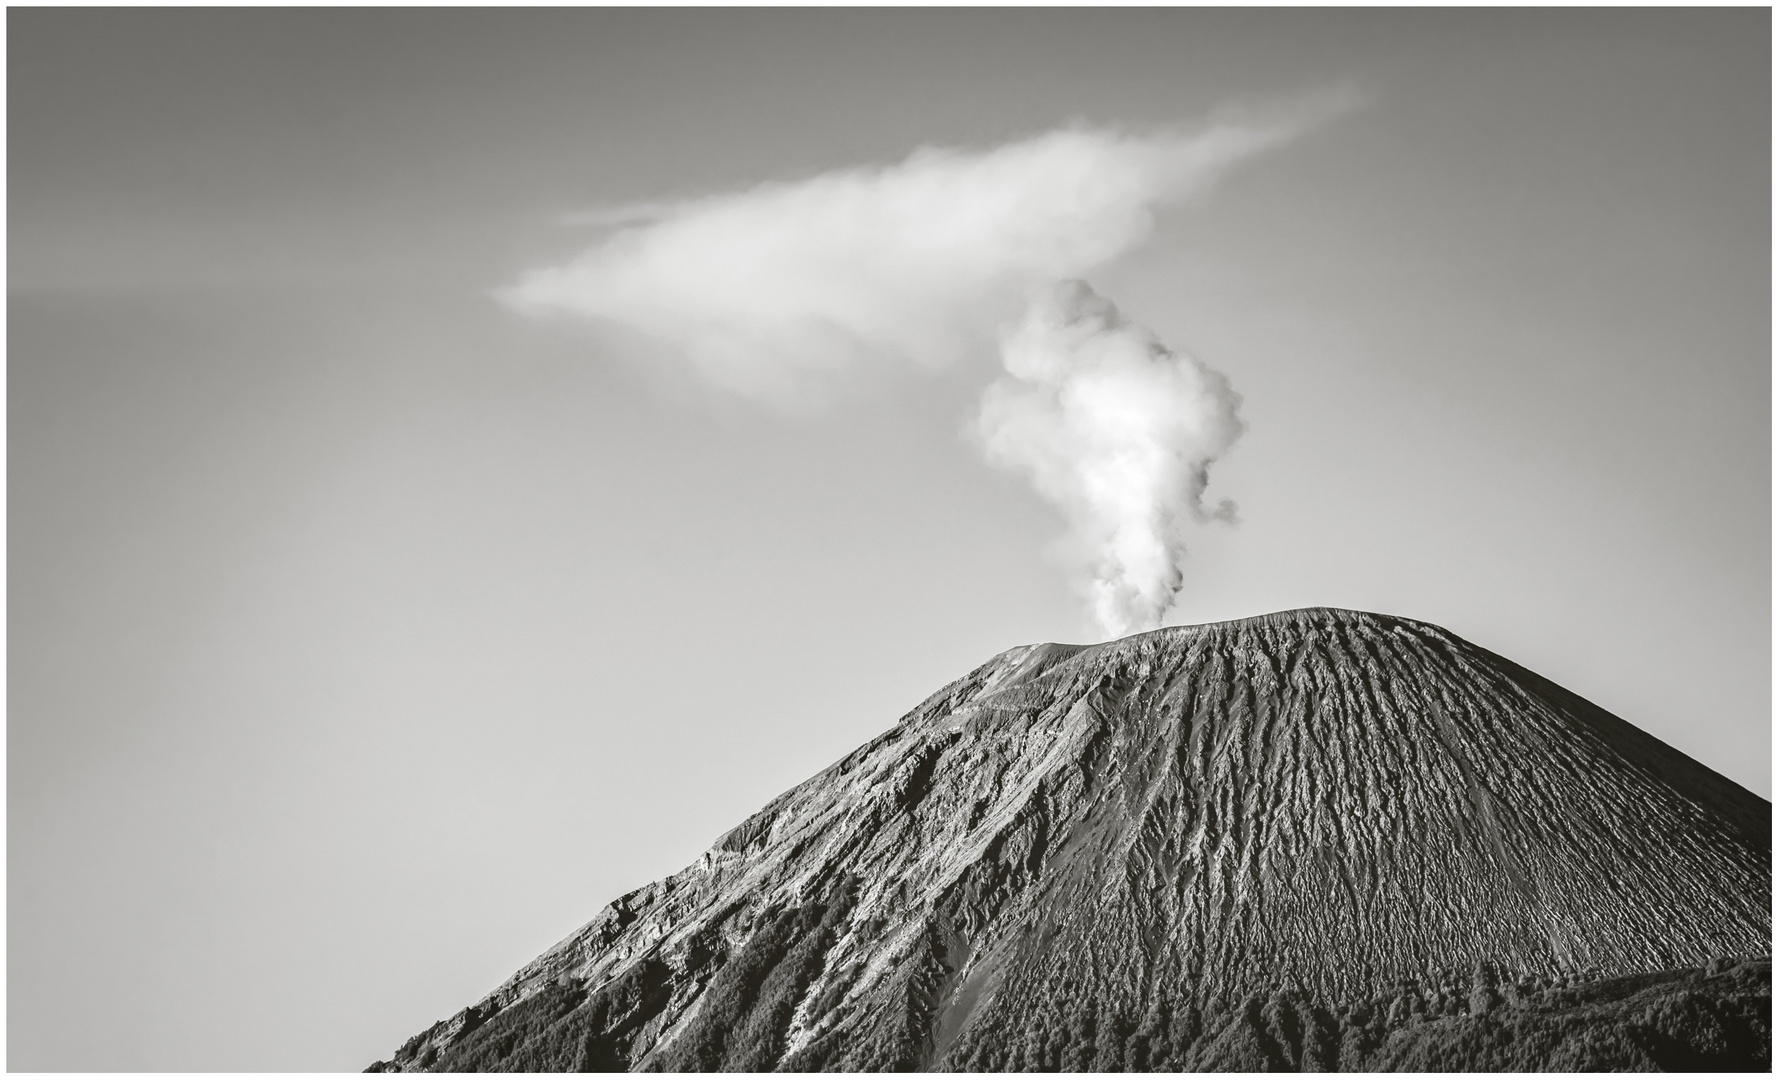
777, 292
1118, 431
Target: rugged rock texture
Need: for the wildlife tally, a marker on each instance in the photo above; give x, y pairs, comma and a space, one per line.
1313, 839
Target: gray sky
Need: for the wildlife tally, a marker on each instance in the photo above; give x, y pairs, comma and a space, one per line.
366, 637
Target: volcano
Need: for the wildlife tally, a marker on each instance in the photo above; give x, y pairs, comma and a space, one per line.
1316, 839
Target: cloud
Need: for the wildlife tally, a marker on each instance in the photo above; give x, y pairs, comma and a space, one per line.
775, 292
781, 292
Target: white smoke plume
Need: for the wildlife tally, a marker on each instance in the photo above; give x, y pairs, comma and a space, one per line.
1118, 431
777, 292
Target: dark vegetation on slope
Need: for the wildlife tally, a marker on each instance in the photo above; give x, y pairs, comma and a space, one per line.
1717, 1018
747, 1009
1711, 1019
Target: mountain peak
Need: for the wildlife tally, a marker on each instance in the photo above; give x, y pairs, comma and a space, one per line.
1320, 802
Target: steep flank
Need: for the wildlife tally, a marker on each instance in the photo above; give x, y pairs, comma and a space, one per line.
1124, 855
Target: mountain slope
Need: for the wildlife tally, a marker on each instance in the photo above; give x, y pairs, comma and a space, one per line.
1070, 846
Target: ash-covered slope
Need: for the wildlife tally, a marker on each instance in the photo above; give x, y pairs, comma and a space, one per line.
1281, 841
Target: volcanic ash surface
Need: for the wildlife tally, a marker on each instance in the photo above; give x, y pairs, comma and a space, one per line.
1314, 839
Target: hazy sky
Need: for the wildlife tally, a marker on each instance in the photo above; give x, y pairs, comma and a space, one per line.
367, 636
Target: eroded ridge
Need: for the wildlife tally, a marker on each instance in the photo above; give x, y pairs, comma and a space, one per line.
1324, 807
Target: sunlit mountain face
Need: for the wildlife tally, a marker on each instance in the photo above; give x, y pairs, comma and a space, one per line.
1317, 839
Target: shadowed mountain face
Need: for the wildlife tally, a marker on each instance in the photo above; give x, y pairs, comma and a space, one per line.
1317, 838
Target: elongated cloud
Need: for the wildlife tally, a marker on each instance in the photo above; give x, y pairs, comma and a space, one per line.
774, 292
780, 291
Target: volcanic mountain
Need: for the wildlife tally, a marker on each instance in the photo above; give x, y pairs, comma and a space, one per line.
1312, 839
